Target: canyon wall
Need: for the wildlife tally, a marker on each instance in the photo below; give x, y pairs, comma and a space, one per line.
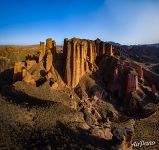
152, 77
80, 57
132, 82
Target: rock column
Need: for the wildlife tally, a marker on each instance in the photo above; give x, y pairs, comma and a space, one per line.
17, 76
49, 60
132, 82
97, 43
108, 50
68, 67
80, 55
76, 61
50, 53
102, 49
74, 64
42, 51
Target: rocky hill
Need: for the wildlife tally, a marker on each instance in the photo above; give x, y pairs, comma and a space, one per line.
87, 94
142, 53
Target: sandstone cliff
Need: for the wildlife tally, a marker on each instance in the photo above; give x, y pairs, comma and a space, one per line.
80, 57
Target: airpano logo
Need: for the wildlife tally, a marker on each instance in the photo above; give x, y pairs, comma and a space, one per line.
143, 143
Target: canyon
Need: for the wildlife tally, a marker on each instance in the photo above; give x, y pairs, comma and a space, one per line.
91, 85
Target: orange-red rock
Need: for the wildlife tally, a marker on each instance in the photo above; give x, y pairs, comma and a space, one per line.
80, 58
42, 51
49, 60
30, 64
132, 82
17, 75
109, 50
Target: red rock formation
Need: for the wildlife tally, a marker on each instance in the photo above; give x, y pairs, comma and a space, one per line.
30, 72
109, 50
49, 60
132, 82
17, 75
27, 77
42, 51
75, 61
80, 58
68, 67
51, 45
30, 64
97, 44
138, 69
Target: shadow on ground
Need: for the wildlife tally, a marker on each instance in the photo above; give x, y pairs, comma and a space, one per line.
23, 99
66, 138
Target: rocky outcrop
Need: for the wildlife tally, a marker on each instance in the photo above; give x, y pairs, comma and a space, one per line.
80, 57
132, 82
51, 45
101, 132
37, 73
138, 69
42, 51
109, 50
30, 64
17, 75
27, 77
151, 77
49, 60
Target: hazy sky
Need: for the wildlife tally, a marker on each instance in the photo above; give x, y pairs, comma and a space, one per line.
122, 21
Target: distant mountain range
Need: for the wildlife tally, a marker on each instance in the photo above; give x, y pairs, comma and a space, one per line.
148, 53
118, 44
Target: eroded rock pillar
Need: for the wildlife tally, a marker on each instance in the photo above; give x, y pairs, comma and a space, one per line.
17, 76
97, 43
78, 71
49, 44
109, 50
132, 82
42, 51
74, 64
68, 74
90, 52
82, 59
49, 60
102, 49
